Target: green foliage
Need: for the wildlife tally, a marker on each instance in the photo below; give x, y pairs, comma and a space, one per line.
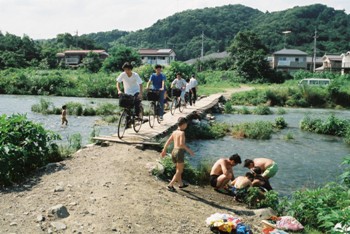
199, 175
262, 110
288, 136
280, 123
118, 55
175, 67
244, 111
228, 108
92, 62
24, 147
261, 130
106, 109
256, 199
207, 131
43, 107
219, 77
75, 141
281, 111
331, 126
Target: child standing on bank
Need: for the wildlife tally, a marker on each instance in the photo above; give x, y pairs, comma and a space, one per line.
64, 115
178, 153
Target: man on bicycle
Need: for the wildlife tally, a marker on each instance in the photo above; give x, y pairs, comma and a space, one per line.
158, 83
132, 84
179, 83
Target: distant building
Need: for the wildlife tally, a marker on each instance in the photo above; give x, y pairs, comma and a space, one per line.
74, 57
157, 56
289, 60
330, 63
310, 63
345, 63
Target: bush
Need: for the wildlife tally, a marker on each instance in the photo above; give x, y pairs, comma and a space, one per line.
331, 126
207, 131
255, 199
281, 111
260, 130
228, 108
262, 110
280, 123
24, 147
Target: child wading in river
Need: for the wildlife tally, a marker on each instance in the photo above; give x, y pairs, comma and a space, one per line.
178, 153
64, 115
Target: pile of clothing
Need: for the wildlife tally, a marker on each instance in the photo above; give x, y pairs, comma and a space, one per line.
278, 225
226, 223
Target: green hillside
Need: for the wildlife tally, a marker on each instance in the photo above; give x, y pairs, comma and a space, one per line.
182, 31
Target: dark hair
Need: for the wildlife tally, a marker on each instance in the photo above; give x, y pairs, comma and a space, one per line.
127, 65
247, 162
249, 175
157, 66
256, 170
187, 80
64, 107
236, 158
181, 121
178, 74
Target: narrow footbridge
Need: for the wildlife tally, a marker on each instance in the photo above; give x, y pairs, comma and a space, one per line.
149, 136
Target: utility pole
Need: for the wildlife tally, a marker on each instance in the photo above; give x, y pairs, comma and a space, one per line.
285, 37
202, 50
314, 62
76, 38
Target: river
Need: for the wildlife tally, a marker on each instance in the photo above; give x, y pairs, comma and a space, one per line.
307, 161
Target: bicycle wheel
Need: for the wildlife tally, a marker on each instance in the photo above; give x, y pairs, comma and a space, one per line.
122, 124
157, 108
137, 121
173, 106
181, 106
151, 114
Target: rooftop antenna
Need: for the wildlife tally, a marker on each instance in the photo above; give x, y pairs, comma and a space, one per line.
285, 37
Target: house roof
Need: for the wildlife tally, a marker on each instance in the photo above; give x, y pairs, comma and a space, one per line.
155, 51
289, 52
82, 52
332, 57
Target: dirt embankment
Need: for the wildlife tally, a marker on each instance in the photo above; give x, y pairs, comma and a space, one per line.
109, 190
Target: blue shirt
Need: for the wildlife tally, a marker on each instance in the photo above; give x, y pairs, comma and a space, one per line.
157, 80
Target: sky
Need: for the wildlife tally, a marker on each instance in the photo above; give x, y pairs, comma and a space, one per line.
44, 19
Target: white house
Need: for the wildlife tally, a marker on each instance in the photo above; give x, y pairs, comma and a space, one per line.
157, 56
345, 63
289, 60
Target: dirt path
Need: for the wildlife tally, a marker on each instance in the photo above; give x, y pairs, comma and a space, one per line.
110, 190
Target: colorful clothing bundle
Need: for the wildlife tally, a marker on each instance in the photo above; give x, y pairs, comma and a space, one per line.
225, 223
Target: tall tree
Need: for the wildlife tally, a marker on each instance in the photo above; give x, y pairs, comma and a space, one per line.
118, 55
249, 56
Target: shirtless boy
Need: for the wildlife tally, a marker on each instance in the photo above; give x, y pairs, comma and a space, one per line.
178, 153
221, 173
268, 167
241, 185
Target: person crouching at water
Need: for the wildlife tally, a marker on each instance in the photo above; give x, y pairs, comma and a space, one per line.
259, 180
178, 153
221, 172
241, 185
268, 167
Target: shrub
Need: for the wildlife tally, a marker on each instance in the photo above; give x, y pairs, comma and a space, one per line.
262, 110
106, 109
228, 108
24, 147
256, 199
207, 131
281, 111
244, 111
261, 130
280, 123
331, 126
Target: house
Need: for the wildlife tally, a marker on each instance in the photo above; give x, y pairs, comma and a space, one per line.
330, 63
74, 57
310, 63
157, 56
289, 60
345, 63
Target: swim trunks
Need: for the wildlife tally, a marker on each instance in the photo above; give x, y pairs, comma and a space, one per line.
178, 155
214, 180
270, 170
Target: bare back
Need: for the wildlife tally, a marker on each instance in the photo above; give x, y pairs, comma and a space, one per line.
179, 139
220, 167
241, 182
263, 163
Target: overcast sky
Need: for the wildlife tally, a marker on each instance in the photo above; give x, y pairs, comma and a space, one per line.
44, 19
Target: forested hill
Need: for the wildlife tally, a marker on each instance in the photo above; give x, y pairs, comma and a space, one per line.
183, 31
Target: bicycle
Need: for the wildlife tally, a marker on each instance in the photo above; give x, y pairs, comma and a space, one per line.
154, 110
176, 103
128, 116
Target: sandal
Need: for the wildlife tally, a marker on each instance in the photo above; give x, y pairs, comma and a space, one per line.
183, 186
171, 188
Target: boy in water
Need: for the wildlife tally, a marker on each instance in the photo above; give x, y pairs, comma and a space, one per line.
64, 115
178, 153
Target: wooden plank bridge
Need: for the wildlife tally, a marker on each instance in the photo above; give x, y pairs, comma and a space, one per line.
149, 136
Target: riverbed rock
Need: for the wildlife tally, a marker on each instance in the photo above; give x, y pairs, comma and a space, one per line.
265, 213
155, 168
58, 211
58, 226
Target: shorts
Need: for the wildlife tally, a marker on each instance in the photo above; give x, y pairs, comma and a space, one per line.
214, 180
178, 155
270, 171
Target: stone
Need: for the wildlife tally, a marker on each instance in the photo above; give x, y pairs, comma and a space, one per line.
155, 168
40, 218
58, 211
13, 224
265, 213
58, 226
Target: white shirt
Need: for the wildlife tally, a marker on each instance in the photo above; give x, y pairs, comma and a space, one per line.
188, 87
179, 84
131, 84
193, 82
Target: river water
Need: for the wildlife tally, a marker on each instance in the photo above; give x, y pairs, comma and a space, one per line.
307, 161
